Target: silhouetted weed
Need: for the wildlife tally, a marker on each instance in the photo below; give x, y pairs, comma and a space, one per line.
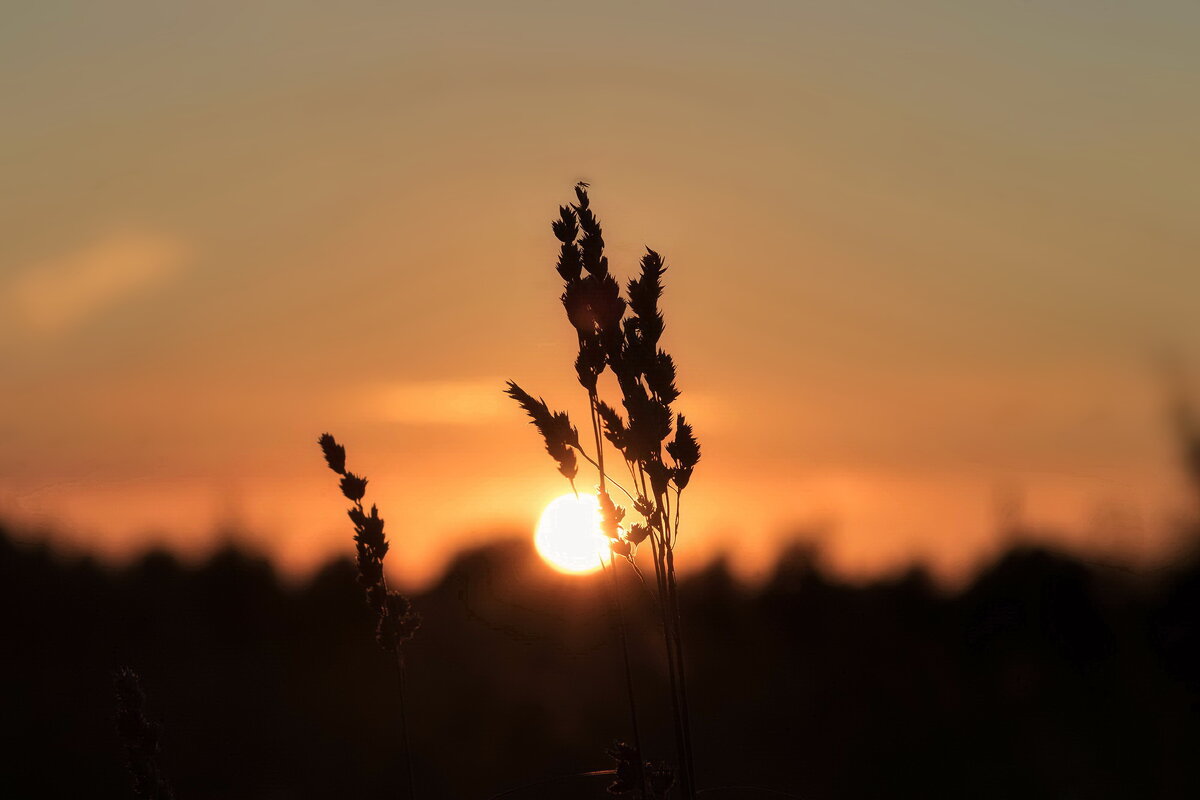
659, 466
396, 619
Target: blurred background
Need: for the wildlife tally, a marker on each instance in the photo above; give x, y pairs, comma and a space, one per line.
1043, 678
931, 294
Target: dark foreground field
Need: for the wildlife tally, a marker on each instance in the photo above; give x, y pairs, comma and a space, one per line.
1044, 678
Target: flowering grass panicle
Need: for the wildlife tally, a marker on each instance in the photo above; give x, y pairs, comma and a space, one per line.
554, 426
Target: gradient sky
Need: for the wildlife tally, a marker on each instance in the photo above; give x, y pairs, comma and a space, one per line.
924, 257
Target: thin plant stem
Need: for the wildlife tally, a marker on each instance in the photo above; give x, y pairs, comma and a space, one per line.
674, 640
633, 715
637, 571
677, 621
678, 503
404, 743
593, 462
632, 475
666, 520
408, 759
407, 747
616, 599
659, 550
396, 621
599, 438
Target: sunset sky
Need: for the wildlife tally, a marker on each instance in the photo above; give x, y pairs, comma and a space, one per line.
926, 260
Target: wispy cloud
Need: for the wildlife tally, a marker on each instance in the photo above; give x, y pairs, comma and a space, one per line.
55, 296
447, 402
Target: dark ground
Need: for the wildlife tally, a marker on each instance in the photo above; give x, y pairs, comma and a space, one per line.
1045, 677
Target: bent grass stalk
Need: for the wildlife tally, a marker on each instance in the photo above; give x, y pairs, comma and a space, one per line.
396, 619
628, 347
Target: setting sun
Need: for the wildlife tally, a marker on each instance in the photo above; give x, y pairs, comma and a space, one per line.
568, 534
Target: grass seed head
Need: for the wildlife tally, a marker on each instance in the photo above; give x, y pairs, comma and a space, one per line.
637, 534
353, 486
660, 377
611, 515
644, 294
335, 454
659, 476
591, 244
570, 263
397, 622
370, 567
590, 362
566, 227
555, 427
614, 427
686, 452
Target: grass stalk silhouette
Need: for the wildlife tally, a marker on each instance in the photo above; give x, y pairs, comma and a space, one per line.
628, 347
397, 622
141, 737
639, 779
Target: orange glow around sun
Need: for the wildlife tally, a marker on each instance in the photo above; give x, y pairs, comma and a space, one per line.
568, 534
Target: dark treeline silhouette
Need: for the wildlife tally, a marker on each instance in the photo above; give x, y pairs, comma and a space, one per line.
1045, 677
